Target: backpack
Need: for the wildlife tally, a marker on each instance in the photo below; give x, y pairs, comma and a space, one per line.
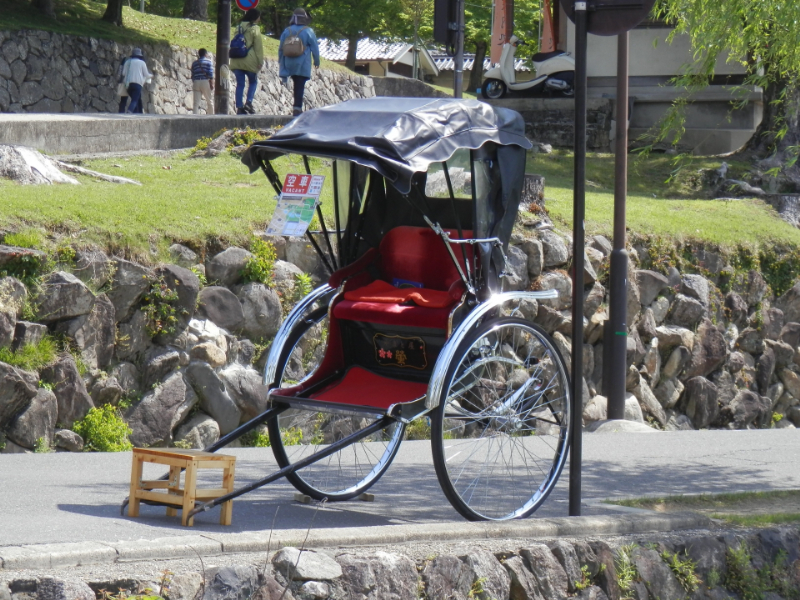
238, 47
293, 46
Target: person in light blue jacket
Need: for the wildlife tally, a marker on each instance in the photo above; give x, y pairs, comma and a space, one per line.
298, 67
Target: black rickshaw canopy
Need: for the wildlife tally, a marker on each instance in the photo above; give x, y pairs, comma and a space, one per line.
396, 137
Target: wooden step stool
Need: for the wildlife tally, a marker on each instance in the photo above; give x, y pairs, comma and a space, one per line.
177, 460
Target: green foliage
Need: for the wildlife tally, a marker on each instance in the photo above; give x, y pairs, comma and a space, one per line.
586, 579
245, 137
200, 276
26, 267
160, 305
780, 266
42, 446
29, 238
31, 357
419, 429
103, 430
201, 144
627, 574
260, 267
684, 569
303, 286
256, 439
476, 590
65, 254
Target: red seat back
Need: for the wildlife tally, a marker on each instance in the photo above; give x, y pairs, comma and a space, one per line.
418, 254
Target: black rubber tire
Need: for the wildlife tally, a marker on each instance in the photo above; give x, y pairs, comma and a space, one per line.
524, 421
493, 89
319, 480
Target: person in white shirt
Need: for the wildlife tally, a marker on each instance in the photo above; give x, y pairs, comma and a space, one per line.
136, 75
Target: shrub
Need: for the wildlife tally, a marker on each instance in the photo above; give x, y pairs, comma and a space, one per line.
31, 357
259, 268
160, 306
103, 430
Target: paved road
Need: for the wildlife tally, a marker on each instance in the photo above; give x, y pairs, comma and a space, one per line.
56, 498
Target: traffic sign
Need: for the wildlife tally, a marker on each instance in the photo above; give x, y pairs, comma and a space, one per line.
246, 4
610, 17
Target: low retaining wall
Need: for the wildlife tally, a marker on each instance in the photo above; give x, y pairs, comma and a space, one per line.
43, 72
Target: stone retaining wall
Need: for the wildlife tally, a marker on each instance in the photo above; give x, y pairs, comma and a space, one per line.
697, 565
54, 73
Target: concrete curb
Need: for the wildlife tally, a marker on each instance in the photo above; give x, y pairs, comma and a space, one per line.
105, 132
44, 556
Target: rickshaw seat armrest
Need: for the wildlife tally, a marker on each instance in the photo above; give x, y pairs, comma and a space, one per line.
544, 294
362, 263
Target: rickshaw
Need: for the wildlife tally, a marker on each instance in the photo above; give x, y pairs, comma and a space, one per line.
412, 331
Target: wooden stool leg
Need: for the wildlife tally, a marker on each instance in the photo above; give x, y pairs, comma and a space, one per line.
189, 491
226, 514
136, 478
174, 487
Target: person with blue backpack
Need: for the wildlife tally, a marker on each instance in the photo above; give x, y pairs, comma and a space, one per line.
247, 58
298, 44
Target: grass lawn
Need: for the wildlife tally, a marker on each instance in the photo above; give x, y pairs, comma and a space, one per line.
193, 201
657, 203
746, 509
208, 202
83, 18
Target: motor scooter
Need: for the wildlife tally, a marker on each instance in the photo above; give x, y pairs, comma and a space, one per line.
555, 74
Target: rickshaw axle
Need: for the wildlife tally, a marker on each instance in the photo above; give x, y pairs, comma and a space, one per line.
288, 470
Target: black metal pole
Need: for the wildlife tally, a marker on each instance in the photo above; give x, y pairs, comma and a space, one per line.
615, 345
223, 43
458, 59
578, 233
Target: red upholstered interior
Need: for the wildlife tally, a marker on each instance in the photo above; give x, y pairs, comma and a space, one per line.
415, 254
419, 254
364, 388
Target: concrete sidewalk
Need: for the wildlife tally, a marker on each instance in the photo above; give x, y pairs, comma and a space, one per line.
106, 132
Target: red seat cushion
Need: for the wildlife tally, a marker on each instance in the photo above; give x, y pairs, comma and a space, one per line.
392, 314
365, 388
386, 293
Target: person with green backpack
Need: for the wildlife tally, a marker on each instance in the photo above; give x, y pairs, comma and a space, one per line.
298, 44
247, 66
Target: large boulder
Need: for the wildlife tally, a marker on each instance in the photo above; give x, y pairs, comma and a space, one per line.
750, 340
154, 418
37, 422
221, 306
494, 579
74, 401
302, 254
650, 284
94, 334
246, 387
13, 295
26, 333
772, 323
753, 290
736, 309
8, 325
695, 286
668, 392
669, 337
790, 334
158, 363
562, 283
128, 284
517, 270
548, 572
198, 431
106, 390
93, 267
236, 582
182, 256
700, 402
214, 399
187, 286
261, 308
63, 296
554, 248
226, 267
686, 312
746, 409
657, 576
133, 341
447, 577
709, 351
17, 390
378, 576
649, 403
305, 565
535, 253
52, 588
765, 368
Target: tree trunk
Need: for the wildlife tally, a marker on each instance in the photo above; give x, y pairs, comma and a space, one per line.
781, 111
352, 46
197, 10
113, 12
476, 75
45, 7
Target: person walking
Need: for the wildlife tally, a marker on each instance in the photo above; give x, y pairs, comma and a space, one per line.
136, 75
298, 45
122, 89
249, 66
202, 82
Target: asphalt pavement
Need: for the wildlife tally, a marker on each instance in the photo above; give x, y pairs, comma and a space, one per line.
63, 497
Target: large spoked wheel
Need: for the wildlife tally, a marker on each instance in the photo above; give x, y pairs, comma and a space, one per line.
493, 89
297, 433
500, 434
